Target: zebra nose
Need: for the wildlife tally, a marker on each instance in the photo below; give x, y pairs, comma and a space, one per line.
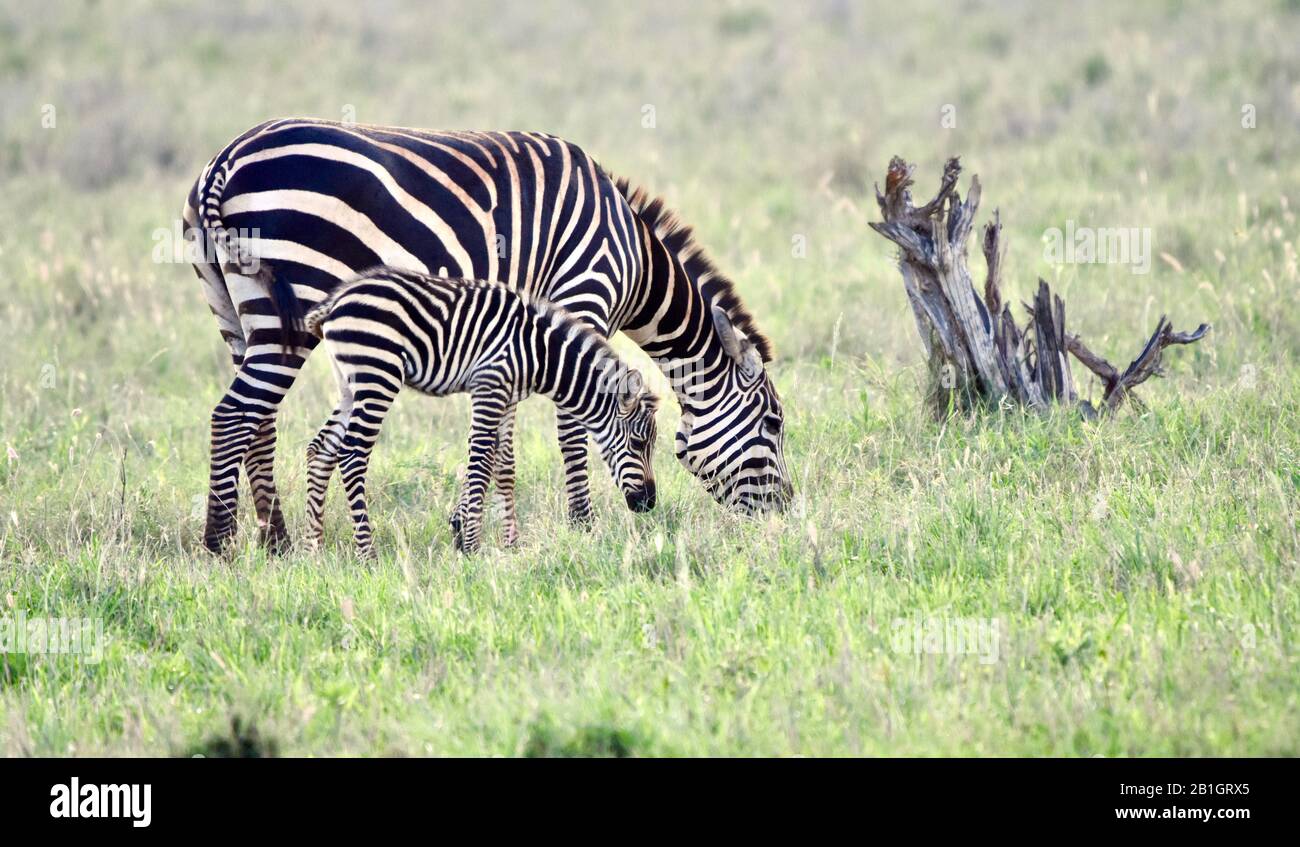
643, 499
779, 500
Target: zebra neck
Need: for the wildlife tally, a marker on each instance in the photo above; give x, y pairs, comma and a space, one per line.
575, 368
675, 329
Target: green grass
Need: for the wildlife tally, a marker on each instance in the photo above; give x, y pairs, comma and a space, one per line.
1141, 572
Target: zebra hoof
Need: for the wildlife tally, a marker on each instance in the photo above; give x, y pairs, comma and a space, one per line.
457, 536
581, 518
276, 540
218, 541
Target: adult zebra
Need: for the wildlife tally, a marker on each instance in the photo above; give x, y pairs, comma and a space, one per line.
321, 201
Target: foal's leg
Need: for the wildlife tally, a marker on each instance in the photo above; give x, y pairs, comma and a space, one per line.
490, 404
505, 477
573, 447
322, 458
573, 435
371, 402
259, 464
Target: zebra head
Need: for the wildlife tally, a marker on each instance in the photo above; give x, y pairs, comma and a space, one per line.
735, 443
628, 445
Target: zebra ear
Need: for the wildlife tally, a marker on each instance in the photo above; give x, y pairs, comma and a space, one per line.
632, 384
737, 344
727, 334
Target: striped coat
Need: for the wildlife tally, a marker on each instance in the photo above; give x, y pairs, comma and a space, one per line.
441, 336
322, 201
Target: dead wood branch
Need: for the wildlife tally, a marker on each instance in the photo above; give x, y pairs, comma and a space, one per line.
975, 351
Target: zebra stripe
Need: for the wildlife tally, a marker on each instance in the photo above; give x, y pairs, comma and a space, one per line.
390, 328
322, 201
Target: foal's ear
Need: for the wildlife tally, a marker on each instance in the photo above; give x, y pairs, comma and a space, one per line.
630, 388
736, 344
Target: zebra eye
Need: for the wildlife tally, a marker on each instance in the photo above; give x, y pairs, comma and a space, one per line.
771, 424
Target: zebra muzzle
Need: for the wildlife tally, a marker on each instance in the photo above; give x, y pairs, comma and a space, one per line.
643, 499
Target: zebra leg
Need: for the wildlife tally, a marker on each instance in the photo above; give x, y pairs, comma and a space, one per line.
505, 478
485, 425
364, 420
245, 416
234, 426
573, 447
323, 455
322, 459
259, 464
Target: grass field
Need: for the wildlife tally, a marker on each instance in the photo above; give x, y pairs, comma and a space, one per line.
1135, 580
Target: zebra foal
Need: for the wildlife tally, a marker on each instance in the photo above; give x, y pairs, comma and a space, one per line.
388, 328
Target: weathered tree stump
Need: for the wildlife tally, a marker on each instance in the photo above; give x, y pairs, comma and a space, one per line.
975, 351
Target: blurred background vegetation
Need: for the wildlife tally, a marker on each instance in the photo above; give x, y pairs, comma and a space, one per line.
770, 121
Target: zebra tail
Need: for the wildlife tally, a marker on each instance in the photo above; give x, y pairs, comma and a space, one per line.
283, 301
315, 317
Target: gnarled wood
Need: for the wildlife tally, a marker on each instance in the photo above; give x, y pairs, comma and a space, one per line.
975, 351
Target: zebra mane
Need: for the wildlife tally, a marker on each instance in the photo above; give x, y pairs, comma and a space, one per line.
679, 239
561, 319
604, 356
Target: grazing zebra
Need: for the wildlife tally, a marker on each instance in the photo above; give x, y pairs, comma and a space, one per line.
322, 201
442, 336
